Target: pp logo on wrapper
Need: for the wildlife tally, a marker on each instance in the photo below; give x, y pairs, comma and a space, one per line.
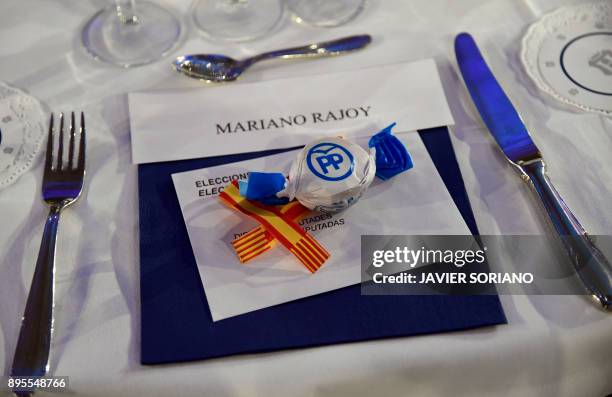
330, 161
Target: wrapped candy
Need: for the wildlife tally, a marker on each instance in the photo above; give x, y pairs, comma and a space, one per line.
331, 174
328, 175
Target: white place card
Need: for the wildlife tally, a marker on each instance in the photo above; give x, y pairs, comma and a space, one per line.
413, 203
229, 119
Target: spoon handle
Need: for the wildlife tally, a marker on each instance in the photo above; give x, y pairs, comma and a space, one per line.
327, 48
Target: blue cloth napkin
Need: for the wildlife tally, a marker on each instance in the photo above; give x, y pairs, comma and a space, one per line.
176, 324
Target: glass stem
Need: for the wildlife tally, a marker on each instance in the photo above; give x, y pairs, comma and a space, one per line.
126, 11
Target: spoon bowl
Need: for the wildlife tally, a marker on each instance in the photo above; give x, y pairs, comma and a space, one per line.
209, 67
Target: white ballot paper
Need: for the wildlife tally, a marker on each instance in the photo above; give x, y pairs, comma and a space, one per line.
230, 119
413, 203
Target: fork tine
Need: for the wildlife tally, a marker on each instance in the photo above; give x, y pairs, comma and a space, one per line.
81, 161
60, 151
71, 143
49, 154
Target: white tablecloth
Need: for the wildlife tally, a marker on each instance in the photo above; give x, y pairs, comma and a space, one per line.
552, 346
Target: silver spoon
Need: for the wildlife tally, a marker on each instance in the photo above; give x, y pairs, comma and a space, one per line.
220, 68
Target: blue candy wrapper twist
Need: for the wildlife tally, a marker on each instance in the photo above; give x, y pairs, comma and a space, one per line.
263, 186
392, 158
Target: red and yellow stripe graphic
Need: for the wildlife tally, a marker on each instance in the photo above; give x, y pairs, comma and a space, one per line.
279, 225
259, 240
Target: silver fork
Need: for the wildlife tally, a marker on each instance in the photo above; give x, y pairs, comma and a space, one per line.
61, 186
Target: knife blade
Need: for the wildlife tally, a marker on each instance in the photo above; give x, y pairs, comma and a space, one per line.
512, 136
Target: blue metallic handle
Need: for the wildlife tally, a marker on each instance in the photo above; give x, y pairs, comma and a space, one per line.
327, 48
492, 103
32, 351
590, 264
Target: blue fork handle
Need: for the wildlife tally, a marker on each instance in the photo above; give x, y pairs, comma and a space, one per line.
327, 48
32, 352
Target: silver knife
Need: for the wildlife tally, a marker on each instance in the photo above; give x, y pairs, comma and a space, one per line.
512, 136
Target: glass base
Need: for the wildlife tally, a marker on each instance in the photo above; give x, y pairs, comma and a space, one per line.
325, 13
237, 20
145, 39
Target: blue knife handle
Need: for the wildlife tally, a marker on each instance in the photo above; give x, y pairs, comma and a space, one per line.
590, 264
492, 103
